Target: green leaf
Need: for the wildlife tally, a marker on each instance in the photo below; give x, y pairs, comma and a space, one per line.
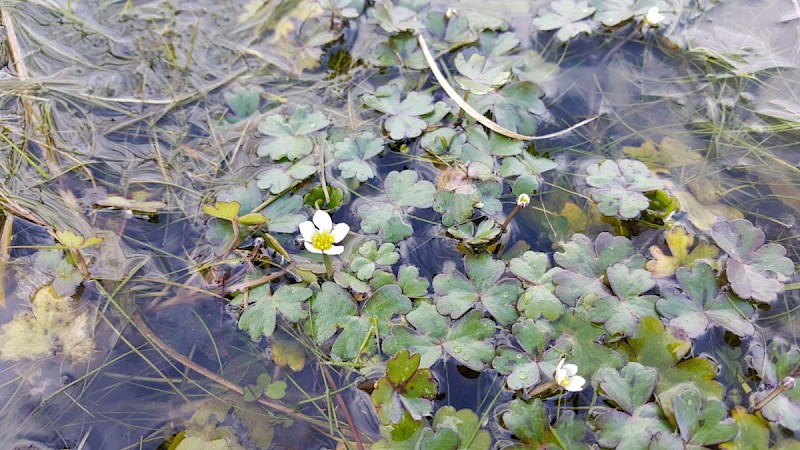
528, 421
370, 257
754, 270
654, 346
699, 422
412, 284
699, 304
487, 232
400, 50
453, 429
291, 140
455, 207
385, 219
467, 340
566, 17
580, 340
623, 310
616, 429
613, 12
66, 277
478, 76
223, 210
259, 319
521, 365
394, 19
316, 198
515, 106
405, 388
585, 264
403, 117
406, 189
280, 177
243, 102
375, 319
619, 187
355, 153
75, 241
330, 309
629, 388
283, 214
455, 294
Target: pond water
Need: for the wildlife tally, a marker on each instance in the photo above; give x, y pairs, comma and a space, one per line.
130, 121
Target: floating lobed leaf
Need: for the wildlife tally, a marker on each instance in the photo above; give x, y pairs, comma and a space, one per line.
754, 269
291, 138
259, 319
243, 102
655, 346
619, 186
394, 19
370, 256
538, 300
279, 178
354, 154
330, 309
403, 117
581, 341
679, 242
699, 422
467, 340
627, 306
629, 388
613, 12
699, 303
404, 389
585, 263
456, 294
406, 189
66, 277
360, 332
515, 106
521, 365
566, 16
384, 219
486, 232
616, 429
527, 169
479, 76
399, 50
408, 279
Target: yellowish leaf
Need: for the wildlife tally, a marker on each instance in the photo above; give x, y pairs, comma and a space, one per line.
75, 241
679, 241
288, 353
252, 219
53, 325
223, 210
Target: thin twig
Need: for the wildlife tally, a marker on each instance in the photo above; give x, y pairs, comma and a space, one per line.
34, 113
166, 348
342, 404
257, 281
485, 121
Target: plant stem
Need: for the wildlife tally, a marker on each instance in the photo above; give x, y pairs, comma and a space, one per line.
510, 216
81, 263
235, 240
328, 266
542, 388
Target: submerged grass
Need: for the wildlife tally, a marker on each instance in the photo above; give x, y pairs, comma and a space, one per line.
102, 114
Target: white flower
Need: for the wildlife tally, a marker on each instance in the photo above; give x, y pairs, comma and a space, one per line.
523, 200
320, 235
652, 17
566, 377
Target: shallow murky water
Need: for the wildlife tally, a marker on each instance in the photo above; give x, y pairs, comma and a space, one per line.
132, 103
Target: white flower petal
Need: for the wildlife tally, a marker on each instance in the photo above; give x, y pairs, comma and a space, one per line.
576, 383
560, 364
323, 221
561, 374
310, 247
334, 250
571, 369
339, 232
307, 229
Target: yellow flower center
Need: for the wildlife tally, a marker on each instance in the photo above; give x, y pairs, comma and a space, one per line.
322, 240
565, 381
